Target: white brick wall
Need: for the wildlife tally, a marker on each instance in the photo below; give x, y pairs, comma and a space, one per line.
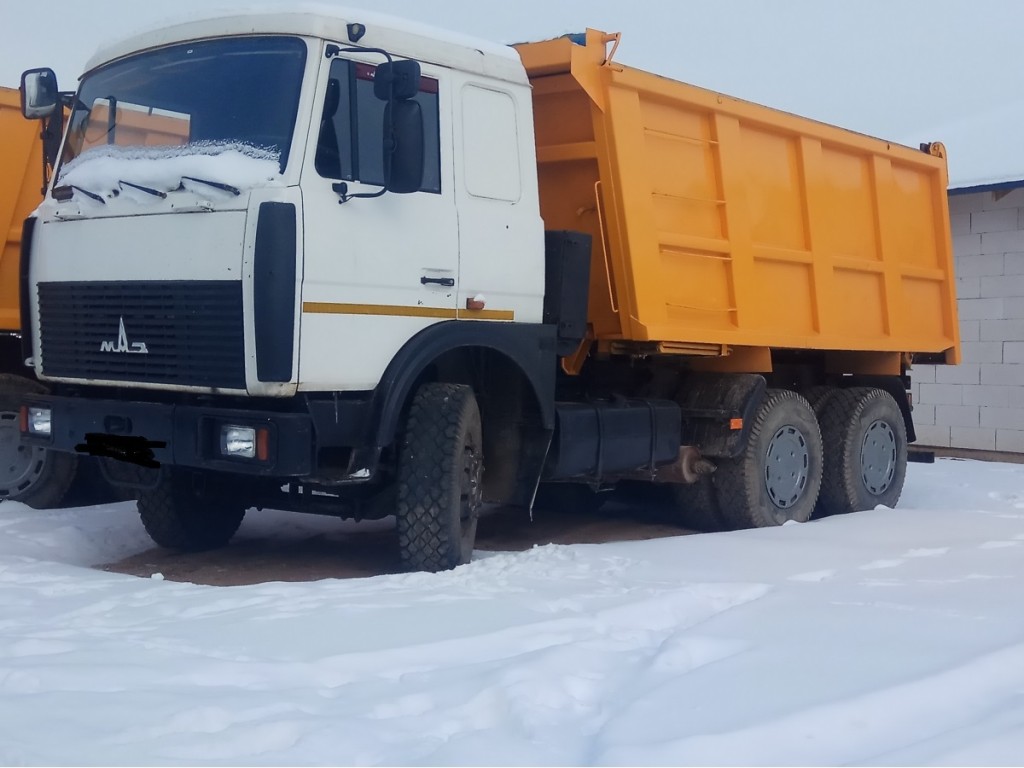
973, 437
965, 373
970, 330
932, 435
980, 404
1014, 263
1010, 440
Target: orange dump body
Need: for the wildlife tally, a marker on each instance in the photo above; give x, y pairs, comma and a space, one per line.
21, 163
135, 127
722, 227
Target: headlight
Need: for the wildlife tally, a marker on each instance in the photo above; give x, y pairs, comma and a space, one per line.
39, 421
239, 442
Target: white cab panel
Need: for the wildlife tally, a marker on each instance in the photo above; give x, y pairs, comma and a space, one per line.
501, 234
177, 246
376, 270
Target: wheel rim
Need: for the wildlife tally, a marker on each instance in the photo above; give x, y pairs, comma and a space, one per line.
787, 467
878, 457
20, 465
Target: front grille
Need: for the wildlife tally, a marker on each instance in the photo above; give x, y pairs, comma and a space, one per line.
191, 331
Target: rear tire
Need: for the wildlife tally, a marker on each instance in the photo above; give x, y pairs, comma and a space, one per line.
30, 474
865, 441
183, 513
777, 477
696, 506
440, 473
817, 396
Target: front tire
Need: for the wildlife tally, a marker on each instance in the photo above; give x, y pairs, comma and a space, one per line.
865, 442
30, 474
440, 473
181, 512
778, 476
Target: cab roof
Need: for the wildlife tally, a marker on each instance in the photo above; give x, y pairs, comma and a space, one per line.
398, 36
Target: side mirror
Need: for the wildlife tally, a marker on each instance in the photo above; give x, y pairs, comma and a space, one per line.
398, 80
39, 93
403, 146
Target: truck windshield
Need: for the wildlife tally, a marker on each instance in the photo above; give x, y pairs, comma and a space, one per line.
200, 97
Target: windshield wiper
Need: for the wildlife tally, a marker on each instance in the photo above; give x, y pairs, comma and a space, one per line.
215, 184
67, 191
147, 190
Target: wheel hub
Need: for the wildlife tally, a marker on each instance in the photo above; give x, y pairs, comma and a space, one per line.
878, 457
20, 464
787, 467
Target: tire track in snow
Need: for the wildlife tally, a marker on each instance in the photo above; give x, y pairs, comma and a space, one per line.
915, 712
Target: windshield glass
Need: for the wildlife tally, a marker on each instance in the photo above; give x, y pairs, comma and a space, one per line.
199, 98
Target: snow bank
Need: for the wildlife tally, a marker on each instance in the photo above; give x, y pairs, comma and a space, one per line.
887, 637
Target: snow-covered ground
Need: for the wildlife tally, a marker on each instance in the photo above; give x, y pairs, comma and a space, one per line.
887, 637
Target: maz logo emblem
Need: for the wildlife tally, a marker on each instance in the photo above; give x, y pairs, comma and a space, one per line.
122, 345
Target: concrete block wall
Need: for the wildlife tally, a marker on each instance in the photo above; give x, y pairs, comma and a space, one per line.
980, 403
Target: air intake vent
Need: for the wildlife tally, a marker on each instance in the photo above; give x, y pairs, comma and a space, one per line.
187, 333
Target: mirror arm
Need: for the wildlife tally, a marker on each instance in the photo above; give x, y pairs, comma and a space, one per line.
51, 132
333, 50
341, 188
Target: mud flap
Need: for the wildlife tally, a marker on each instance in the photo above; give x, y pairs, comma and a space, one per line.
718, 410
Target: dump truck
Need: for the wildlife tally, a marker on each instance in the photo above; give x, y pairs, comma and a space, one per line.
345, 265
31, 474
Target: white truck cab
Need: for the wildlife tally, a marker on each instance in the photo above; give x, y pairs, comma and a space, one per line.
188, 146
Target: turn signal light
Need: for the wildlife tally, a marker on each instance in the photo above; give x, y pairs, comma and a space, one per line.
263, 444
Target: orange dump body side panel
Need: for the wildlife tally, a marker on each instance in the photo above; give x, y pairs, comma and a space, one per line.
721, 222
21, 163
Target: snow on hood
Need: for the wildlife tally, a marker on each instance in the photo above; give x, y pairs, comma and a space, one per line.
240, 165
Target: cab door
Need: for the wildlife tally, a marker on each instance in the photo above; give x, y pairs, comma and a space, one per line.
377, 270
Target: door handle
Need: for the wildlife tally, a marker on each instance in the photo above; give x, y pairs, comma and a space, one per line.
447, 282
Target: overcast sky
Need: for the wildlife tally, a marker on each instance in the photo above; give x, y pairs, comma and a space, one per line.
907, 70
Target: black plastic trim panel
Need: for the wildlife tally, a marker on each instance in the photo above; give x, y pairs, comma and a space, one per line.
567, 286
174, 332
179, 435
27, 232
274, 291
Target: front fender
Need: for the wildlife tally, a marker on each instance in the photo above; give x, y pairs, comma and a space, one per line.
531, 347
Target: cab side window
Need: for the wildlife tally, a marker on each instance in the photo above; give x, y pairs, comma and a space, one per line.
350, 144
